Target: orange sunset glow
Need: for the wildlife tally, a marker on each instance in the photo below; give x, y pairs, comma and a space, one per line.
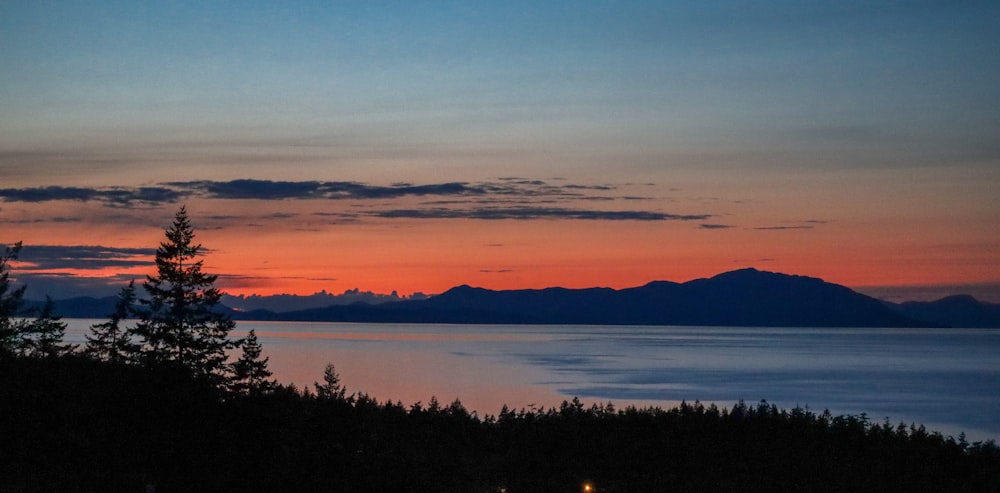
256, 253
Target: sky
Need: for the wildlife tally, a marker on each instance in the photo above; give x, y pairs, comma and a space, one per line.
416, 146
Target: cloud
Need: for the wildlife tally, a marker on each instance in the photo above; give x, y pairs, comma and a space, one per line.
715, 226
44, 194
304, 190
243, 189
337, 190
252, 189
793, 225
528, 213
505, 198
113, 196
39, 220
55, 257
781, 228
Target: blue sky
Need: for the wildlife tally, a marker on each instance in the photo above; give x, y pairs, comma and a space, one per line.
639, 73
876, 121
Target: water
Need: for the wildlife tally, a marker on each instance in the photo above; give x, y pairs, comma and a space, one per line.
947, 379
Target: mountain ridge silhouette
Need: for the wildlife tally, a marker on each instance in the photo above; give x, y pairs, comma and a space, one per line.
744, 297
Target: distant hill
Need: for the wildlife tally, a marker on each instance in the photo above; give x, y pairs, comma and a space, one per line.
740, 298
79, 307
952, 311
746, 297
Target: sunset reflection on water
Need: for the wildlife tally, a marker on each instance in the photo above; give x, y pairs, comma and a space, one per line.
398, 336
901, 374
411, 367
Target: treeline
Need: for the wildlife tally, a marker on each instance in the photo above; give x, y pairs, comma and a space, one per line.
152, 402
75, 424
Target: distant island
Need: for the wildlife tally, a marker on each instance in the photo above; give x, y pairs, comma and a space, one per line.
746, 297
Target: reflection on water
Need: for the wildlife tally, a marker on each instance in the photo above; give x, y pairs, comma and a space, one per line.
384, 336
947, 379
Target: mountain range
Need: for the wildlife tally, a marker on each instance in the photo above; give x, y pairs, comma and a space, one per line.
746, 297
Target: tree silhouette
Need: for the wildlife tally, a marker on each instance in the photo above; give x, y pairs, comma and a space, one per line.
179, 323
331, 387
10, 302
43, 336
250, 375
40, 337
110, 341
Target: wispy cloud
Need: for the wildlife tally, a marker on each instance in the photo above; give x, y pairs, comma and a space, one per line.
528, 213
781, 228
40, 220
57, 257
793, 225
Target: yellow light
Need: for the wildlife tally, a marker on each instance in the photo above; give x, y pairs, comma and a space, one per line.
588, 488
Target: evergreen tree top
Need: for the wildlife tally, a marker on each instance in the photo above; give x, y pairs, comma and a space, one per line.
180, 238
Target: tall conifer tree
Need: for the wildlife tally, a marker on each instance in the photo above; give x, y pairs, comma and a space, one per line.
179, 322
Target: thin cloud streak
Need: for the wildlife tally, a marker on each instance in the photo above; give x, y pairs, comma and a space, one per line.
529, 213
781, 228
82, 257
40, 220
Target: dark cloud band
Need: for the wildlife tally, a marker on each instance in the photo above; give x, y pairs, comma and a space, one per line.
110, 196
299, 190
516, 199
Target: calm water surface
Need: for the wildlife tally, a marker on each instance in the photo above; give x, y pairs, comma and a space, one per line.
947, 379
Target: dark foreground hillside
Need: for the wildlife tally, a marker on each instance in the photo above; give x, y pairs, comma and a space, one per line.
71, 424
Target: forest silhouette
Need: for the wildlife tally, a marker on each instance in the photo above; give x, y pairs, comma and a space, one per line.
153, 402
